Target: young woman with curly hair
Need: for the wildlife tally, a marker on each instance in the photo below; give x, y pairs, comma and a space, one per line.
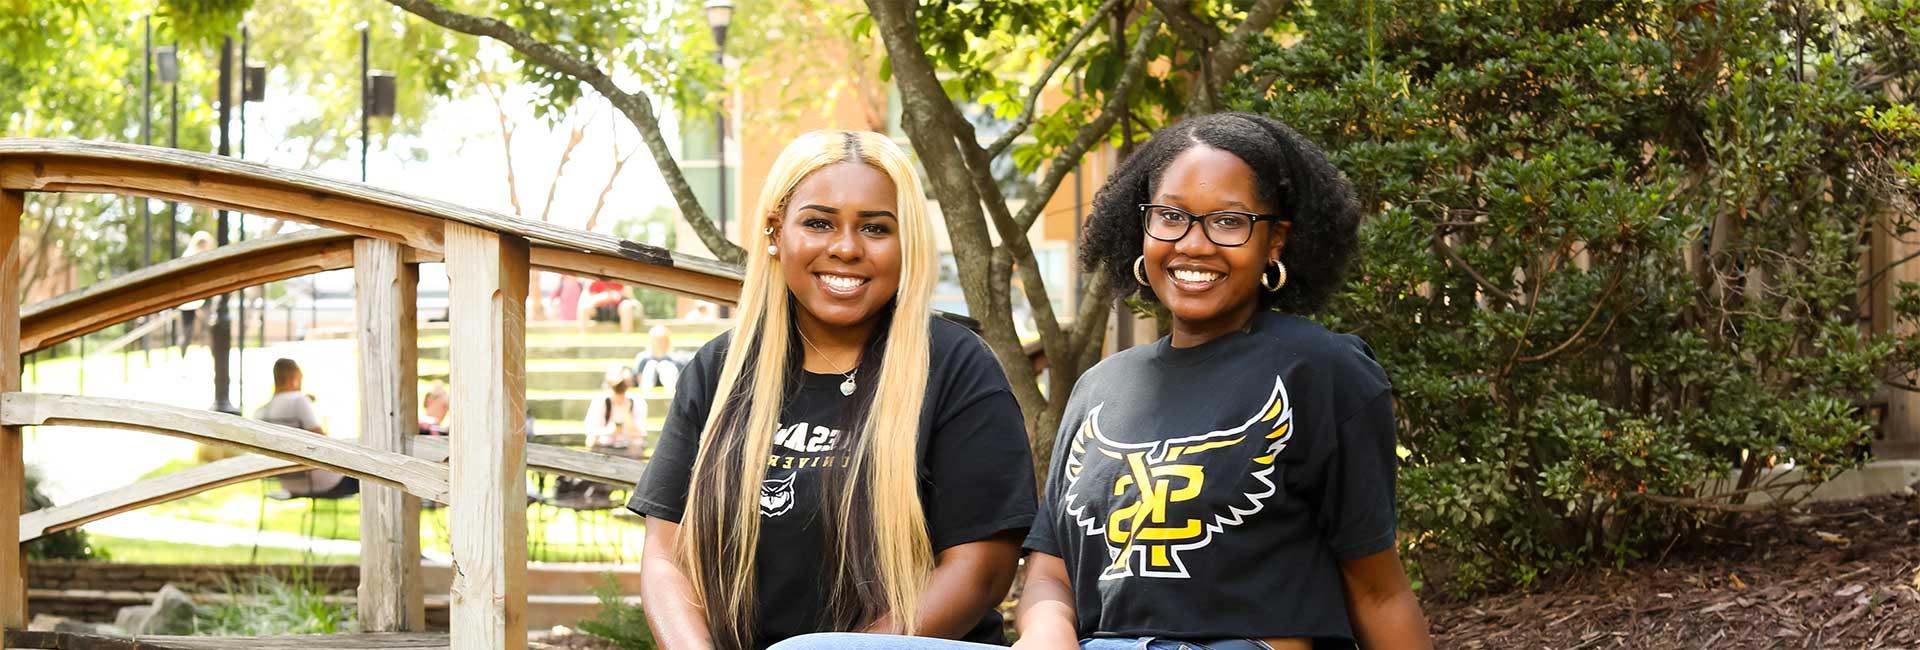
1232, 484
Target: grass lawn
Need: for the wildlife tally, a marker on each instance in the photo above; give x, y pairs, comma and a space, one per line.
555, 534
147, 551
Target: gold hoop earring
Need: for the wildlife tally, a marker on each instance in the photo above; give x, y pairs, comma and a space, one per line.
1140, 270
1280, 277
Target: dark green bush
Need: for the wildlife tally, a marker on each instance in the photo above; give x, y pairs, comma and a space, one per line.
70, 544
622, 623
1615, 250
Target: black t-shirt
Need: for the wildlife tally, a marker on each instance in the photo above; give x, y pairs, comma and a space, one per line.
976, 471
1268, 456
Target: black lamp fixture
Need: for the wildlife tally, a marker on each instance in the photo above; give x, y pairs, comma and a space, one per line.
382, 94
166, 62
254, 83
719, 16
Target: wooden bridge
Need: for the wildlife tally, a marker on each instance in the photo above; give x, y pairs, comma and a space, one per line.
383, 236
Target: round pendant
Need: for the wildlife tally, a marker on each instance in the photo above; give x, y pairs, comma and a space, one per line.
846, 388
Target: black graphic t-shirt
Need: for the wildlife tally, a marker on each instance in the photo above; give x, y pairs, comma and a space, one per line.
976, 472
1209, 492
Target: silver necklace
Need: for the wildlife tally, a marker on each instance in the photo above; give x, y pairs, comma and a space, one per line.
846, 387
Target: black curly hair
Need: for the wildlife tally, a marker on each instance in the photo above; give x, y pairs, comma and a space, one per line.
1293, 175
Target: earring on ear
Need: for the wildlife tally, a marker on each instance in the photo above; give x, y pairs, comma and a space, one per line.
1279, 279
1140, 270
773, 251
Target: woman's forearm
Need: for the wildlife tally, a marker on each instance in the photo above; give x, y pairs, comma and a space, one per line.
1392, 622
967, 581
678, 621
1381, 605
1046, 615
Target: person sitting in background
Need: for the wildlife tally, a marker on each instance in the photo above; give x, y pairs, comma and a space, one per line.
607, 300
292, 408
434, 405
654, 367
201, 242
616, 423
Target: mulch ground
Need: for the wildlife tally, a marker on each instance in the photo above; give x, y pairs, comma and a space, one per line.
1835, 575
1832, 575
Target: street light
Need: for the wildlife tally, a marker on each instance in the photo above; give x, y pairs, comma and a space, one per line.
719, 17
378, 96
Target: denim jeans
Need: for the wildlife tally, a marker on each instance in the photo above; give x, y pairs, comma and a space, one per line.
854, 641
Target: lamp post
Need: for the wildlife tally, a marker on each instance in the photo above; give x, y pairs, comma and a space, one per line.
166, 64
253, 88
719, 17
222, 326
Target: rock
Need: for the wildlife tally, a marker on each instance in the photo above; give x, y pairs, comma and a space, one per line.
133, 618
172, 613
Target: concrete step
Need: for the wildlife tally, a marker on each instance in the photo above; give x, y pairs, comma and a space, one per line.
611, 353
572, 405
571, 375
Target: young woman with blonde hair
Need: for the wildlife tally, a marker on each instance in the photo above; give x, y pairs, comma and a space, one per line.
841, 460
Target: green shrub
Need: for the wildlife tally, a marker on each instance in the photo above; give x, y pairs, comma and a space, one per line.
622, 623
268, 606
70, 544
1614, 251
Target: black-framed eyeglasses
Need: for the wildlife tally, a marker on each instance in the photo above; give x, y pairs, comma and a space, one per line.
1223, 228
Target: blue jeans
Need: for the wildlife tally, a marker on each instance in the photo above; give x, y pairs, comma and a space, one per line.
854, 641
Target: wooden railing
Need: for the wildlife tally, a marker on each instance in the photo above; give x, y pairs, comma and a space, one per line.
383, 236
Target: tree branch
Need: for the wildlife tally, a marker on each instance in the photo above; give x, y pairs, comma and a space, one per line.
1492, 290
1232, 52
1118, 104
619, 162
506, 145
578, 133
1020, 125
636, 106
1013, 240
923, 103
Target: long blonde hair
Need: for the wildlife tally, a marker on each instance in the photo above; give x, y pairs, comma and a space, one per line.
878, 547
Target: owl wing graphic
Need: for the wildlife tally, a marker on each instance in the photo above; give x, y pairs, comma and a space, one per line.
1272, 424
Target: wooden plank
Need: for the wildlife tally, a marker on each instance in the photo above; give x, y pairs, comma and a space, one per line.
488, 276
559, 460
219, 181
72, 641
209, 187
169, 284
153, 491
13, 470
270, 259
417, 477
704, 284
391, 599
240, 469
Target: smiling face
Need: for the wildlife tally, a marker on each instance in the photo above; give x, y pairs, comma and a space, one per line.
1210, 288
839, 242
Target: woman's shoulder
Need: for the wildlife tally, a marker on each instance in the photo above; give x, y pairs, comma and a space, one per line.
1346, 357
945, 337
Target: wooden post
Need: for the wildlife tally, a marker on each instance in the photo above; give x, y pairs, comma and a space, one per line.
13, 470
488, 274
391, 598
1898, 436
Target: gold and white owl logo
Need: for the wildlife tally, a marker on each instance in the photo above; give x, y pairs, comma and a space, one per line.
1154, 517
